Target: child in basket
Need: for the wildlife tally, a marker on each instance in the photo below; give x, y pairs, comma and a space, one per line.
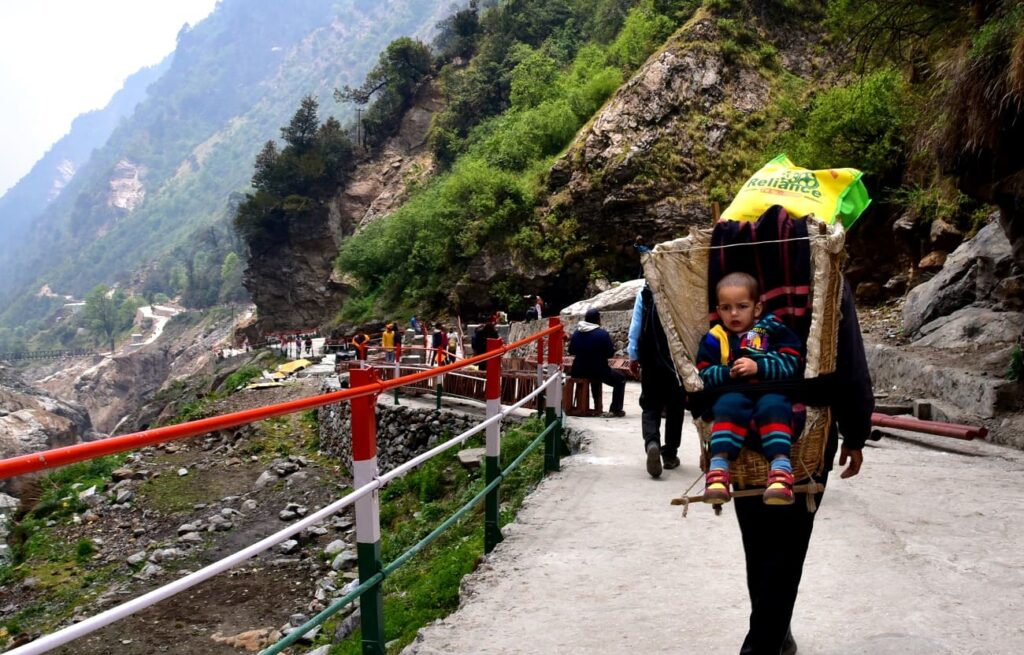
745, 349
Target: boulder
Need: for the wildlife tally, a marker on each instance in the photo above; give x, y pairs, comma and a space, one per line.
944, 236
972, 326
971, 274
346, 559
897, 285
1009, 292
868, 292
933, 260
471, 458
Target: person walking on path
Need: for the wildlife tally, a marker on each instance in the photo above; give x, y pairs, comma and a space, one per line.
484, 332
362, 343
591, 348
775, 538
660, 389
442, 350
435, 346
387, 342
453, 344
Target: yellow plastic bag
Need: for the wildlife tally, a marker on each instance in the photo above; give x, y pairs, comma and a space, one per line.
828, 193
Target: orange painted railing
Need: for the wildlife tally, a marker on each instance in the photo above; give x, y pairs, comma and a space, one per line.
56, 457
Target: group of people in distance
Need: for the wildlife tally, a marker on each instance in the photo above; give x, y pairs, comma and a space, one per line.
738, 361
443, 343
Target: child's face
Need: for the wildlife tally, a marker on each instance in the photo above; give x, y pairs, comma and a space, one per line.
737, 309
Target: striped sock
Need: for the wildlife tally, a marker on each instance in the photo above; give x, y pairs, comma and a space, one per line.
781, 464
719, 463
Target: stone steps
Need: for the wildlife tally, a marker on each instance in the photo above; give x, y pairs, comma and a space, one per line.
902, 372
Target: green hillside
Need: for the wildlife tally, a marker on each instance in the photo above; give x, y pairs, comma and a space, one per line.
925, 98
234, 79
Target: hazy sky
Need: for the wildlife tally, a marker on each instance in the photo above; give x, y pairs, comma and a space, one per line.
60, 58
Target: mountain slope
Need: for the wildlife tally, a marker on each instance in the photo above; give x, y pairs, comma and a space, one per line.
170, 169
52, 174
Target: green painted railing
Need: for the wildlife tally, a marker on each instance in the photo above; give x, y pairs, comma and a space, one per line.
550, 436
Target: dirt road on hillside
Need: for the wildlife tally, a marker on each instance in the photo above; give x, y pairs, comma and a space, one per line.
920, 554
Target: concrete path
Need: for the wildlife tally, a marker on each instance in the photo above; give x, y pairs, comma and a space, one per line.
160, 315
923, 553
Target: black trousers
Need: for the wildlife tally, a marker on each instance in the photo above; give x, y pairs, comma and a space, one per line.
661, 393
615, 380
775, 540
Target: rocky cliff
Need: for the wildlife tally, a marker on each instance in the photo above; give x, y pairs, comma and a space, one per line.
112, 389
32, 420
649, 161
296, 286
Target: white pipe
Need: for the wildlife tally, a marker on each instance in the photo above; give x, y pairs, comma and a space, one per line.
49, 642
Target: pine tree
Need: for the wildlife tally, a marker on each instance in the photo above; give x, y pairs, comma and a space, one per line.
301, 131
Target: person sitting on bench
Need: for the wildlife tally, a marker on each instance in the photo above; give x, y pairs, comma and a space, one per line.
591, 347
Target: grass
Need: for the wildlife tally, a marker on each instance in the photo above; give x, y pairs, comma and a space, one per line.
172, 493
65, 573
427, 587
241, 378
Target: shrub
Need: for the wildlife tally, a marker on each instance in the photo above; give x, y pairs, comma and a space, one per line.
241, 377
84, 550
643, 31
1015, 371
859, 125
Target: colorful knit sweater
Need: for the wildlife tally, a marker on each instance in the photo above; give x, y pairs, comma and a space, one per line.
775, 349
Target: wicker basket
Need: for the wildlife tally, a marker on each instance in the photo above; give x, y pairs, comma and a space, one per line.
673, 270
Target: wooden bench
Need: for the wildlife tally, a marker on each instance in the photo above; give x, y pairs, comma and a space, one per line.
576, 398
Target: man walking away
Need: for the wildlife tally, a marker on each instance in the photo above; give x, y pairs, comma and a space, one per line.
591, 347
660, 390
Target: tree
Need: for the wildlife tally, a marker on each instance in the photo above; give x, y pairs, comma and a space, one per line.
457, 34
231, 289
392, 85
301, 130
335, 148
400, 68
101, 313
265, 175
533, 78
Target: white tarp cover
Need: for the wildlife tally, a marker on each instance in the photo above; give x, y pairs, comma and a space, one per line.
677, 272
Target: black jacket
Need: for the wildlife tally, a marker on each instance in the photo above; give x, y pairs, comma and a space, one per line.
653, 344
591, 350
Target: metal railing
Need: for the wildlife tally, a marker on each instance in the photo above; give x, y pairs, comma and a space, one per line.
46, 354
367, 482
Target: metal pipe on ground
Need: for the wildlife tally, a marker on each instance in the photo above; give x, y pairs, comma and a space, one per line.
954, 430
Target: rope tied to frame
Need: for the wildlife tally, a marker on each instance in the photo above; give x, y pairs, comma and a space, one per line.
810, 237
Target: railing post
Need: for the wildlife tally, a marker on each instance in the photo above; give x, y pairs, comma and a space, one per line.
438, 392
492, 461
398, 366
553, 444
541, 399
364, 470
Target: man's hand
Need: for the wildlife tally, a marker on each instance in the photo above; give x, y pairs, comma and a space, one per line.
634, 368
856, 460
743, 367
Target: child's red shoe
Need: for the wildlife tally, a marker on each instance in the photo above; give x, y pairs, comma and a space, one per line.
716, 487
780, 488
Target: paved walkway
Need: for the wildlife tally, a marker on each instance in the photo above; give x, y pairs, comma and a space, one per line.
923, 553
